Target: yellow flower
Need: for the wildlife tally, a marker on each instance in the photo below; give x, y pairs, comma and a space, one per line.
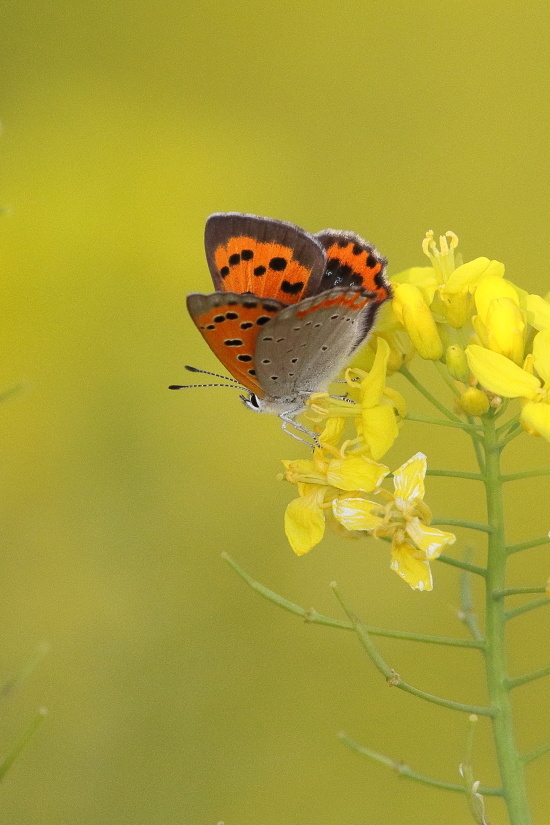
502, 376
414, 313
500, 323
405, 519
427, 298
374, 413
319, 481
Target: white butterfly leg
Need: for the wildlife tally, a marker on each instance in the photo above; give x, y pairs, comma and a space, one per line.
288, 420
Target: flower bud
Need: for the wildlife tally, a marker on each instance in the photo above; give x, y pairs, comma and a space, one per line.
415, 315
505, 328
457, 364
474, 402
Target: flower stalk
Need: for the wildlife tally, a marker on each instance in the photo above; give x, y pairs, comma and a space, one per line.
510, 764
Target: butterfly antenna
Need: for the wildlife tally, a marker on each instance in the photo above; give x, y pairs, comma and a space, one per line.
193, 386
215, 374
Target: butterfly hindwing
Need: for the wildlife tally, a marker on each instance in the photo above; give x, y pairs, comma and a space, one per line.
266, 257
353, 262
230, 324
306, 345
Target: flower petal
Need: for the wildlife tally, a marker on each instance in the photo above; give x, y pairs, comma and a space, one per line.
536, 419
379, 429
498, 374
334, 427
414, 313
541, 354
491, 287
355, 473
538, 311
422, 277
467, 276
406, 562
305, 522
372, 386
428, 539
408, 480
357, 513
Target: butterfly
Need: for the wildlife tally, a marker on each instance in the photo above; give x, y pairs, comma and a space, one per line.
289, 307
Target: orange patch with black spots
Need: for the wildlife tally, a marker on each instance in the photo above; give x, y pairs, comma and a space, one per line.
356, 265
231, 332
264, 269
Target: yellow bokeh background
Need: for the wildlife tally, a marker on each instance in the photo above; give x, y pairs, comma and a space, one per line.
175, 695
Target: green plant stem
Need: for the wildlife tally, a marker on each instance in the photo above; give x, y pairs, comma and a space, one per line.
462, 565
526, 545
526, 608
408, 773
22, 742
394, 679
311, 616
543, 471
441, 422
517, 591
467, 614
470, 525
536, 752
427, 394
455, 474
510, 763
529, 677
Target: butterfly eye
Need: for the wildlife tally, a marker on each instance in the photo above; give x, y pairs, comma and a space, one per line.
251, 401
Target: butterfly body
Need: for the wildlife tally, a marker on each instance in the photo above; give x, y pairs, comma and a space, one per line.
289, 307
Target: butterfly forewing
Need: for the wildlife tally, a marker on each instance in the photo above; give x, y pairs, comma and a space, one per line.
306, 345
246, 253
353, 262
230, 324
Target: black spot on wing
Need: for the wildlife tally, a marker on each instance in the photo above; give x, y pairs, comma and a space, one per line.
292, 289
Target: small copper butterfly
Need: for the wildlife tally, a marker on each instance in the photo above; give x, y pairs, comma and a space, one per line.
289, 308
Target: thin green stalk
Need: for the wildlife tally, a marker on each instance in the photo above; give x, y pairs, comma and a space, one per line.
517, 591
526, 545
441, 422
529, 677
447, 378
536, 752
514, 432
512, 422
526, 608
311, 616
427, 394
393, 678
509, 760
467, 614
478, 450
455, 474
462, 565
408, 773
543, 471
471, 525
22, 742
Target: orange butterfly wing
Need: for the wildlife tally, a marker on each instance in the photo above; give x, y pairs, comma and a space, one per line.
268, 258
230, 324
353, 262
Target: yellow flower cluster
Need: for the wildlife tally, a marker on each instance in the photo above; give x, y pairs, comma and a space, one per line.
492, 339
491, 335
332, 485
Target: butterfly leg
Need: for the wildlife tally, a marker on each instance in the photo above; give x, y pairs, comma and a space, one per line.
288, 420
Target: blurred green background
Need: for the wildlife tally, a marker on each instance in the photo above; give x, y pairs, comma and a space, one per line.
176, 696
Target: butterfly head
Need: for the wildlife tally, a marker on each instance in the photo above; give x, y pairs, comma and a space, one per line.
287, 405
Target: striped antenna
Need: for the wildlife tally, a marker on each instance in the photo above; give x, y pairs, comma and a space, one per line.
193, 386
215, 374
